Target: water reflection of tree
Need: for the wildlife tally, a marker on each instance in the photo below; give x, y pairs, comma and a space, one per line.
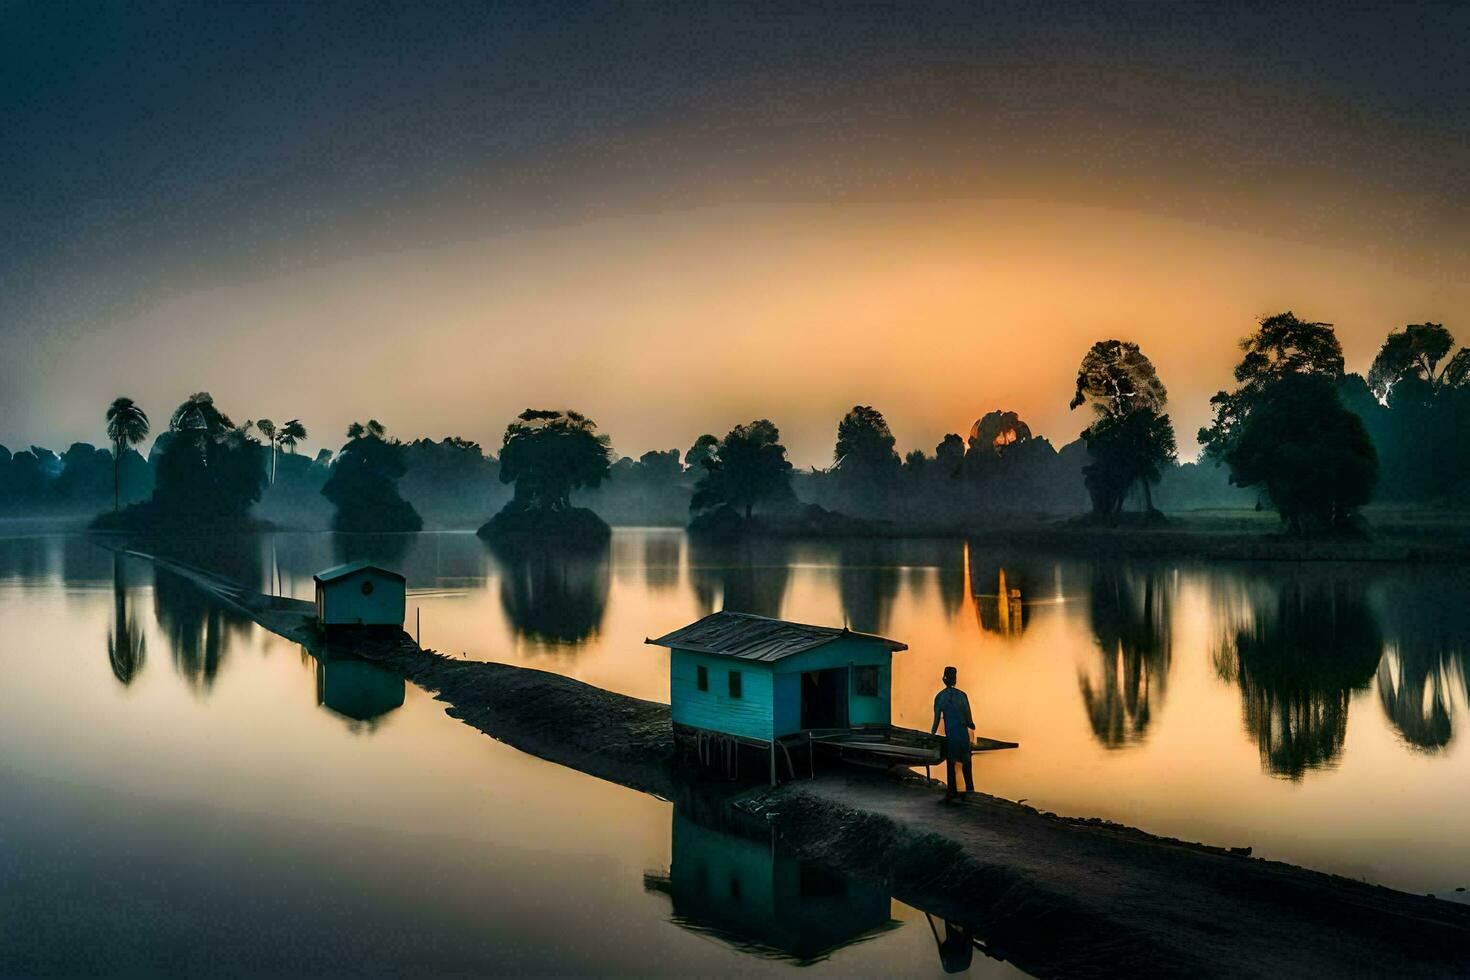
661, 560
1002, 591
384, 549
739, 576
554, 596
126, 647
1425, 623
868, 581
1131, 623
1298, 662
950, 560
199, 630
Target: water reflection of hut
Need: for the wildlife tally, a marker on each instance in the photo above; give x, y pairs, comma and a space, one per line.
753, 895
357, 689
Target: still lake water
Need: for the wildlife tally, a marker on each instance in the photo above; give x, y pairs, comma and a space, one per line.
182, 790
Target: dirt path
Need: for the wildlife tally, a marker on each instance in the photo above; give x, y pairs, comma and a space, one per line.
1057, 897
1076, 898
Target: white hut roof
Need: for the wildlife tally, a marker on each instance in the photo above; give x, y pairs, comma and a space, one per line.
750, 637
352, 568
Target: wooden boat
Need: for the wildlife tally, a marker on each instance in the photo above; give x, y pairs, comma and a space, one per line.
889, 746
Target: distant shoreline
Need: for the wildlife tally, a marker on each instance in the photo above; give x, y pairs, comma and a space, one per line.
1393, 536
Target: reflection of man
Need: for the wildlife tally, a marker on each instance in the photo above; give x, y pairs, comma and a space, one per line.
953, 706
956, 949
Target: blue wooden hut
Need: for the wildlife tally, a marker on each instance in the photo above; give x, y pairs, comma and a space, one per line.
360, 593
755, 681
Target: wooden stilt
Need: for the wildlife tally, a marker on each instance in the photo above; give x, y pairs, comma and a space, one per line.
773, 762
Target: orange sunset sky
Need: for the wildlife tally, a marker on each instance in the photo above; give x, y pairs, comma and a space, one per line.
682, 227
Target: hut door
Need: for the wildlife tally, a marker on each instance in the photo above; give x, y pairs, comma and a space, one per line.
824, 698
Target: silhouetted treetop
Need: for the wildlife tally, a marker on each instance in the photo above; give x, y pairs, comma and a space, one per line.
548, 453
865, 443
198, 413
1131, 440
1416, 352
995, 432
1283, 346
1115, 377
1312, 456
949, 455
363, 484
748, 466
127, 425
703, 448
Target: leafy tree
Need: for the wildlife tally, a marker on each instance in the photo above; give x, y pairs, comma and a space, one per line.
267, 428
704, 448
1116, 378
87, 473
547, 454
864, 446
914, 461
1126, 450
1418, 414
207, 468
1416, 352
993, 435
1281, 347
285, 436
363, 484
1311, 455
949, 455
127, 425
659, 467
198, 414
1131, 438
291, 433
749, 465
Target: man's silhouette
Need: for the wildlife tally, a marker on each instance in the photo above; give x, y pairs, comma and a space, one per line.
953, 705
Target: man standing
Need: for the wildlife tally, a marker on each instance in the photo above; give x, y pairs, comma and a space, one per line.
953, 705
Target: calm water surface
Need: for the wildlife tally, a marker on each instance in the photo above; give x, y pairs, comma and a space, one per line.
179, 789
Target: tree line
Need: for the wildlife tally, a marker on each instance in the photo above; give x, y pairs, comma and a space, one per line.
1297, 433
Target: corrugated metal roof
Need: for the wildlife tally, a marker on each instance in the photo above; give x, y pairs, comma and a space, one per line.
351, 568
750, 637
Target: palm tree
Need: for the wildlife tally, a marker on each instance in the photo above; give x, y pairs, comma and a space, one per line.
267, 428
127, 425
290, 433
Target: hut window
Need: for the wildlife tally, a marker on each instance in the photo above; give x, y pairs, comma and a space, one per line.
736, 691
367, 587
865, 681
701, 677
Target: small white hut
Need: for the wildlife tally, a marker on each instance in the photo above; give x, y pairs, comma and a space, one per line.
360, 593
